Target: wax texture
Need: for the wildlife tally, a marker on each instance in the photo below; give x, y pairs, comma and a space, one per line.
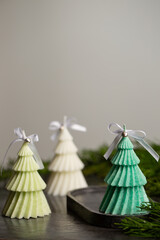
125, 191
26, 198
66, 174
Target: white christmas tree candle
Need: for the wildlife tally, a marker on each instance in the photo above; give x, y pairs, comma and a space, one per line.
66, 166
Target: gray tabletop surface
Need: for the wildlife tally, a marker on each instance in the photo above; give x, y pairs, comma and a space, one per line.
59, 225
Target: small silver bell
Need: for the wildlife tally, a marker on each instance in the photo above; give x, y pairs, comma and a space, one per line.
27, 140
124, 134
62, 127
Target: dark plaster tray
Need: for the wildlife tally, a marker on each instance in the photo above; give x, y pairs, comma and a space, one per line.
85, 203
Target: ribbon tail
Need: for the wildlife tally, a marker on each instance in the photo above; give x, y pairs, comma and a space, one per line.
3, 161
149, 149
55, 135
36, 155
112, 146
78, 127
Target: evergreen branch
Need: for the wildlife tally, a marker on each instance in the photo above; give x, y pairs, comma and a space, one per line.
142, 227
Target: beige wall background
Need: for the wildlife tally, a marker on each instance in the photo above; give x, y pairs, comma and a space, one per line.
97, 60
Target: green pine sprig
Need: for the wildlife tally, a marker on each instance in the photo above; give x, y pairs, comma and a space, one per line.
143, 227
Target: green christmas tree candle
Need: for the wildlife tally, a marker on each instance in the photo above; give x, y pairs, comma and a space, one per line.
125, 191
26, 198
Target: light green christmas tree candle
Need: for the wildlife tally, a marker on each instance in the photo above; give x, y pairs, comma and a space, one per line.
26, 199
125, 191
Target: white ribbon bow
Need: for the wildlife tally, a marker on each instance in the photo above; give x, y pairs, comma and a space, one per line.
30, 139
138, 135
68, 123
